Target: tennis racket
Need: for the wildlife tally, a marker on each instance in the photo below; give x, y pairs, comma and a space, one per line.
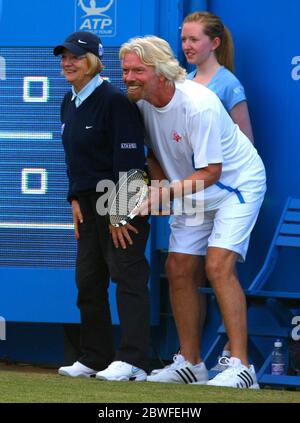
130, 192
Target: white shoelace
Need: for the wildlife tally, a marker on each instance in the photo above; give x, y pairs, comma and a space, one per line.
224, 361
178, 359
230, 371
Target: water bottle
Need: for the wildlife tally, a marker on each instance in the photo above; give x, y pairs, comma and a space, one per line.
278, 362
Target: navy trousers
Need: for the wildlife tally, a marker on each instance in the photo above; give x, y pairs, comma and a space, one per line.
98, 261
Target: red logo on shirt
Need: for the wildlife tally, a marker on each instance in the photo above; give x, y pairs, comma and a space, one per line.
177, 137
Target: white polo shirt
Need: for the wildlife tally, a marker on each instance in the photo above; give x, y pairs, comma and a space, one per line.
193, 131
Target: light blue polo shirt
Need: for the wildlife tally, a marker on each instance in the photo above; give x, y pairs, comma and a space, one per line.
226, 86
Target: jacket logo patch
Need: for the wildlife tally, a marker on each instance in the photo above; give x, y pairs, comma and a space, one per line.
128, 146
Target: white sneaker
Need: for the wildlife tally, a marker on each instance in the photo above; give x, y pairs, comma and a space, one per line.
120, 370
156, 371
236, 376
181, 371
221, 365
77, 370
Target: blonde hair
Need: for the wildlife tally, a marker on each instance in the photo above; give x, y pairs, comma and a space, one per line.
94, 64
213, 27
154, 51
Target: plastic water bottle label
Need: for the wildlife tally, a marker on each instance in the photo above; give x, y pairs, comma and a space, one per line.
277, 368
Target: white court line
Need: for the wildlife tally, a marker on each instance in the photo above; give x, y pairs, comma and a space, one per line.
23, 135
24, 225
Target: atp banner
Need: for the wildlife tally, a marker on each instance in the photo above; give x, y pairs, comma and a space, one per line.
47, 22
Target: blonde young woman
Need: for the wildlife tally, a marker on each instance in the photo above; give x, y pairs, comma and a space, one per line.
208, 44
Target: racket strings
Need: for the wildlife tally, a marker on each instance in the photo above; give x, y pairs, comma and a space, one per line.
131, 190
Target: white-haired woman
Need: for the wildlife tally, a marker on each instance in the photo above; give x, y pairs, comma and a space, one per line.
102, 135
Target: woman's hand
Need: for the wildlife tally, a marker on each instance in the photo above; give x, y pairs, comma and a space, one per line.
77, 217
121, 235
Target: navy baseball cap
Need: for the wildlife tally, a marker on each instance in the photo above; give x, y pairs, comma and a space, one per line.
81, 42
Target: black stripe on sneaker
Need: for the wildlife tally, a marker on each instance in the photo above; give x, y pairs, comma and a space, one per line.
182, 376
246, 378
245, 381
250, 378
186, 375
191, 374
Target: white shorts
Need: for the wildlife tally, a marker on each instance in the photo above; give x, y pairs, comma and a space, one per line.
228, 227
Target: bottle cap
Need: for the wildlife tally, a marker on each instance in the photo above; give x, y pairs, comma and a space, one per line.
278, 343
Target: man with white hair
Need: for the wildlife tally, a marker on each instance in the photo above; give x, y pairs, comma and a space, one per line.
192, 138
